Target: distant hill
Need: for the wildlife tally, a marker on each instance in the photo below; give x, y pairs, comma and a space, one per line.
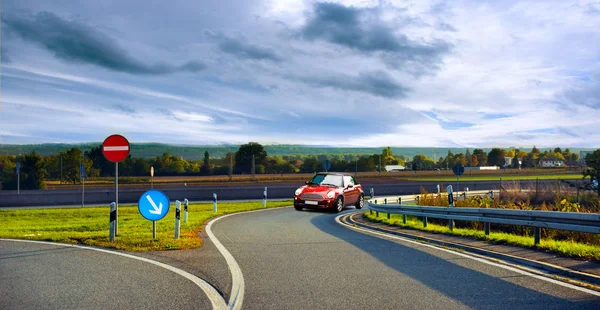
151, 150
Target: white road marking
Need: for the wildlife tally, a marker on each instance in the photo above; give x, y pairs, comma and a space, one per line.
116, 148
237, 278
571, 286
213, 295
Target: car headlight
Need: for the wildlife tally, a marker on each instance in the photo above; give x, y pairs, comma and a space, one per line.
298, 192
331, 194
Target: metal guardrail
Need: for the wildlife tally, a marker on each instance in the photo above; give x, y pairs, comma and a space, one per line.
571, 221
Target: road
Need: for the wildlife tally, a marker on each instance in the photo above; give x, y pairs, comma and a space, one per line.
305, 260
42, 276
224, 192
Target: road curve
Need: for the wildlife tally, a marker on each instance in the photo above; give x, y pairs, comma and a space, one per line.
47, 276
305, 260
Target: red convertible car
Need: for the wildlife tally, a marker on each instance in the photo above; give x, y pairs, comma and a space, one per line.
329, 191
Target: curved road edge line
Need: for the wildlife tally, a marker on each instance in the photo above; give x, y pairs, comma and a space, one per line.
481, 260
237, 278
213, 295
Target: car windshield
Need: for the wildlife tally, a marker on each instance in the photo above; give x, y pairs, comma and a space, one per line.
327, 179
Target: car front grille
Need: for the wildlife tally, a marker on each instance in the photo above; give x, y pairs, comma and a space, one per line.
311, 196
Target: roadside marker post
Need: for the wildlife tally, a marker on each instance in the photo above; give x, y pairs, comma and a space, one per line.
185, 210
113, 220
152, 177
372, 193
265, 198
177, 217
451, 204
116, 148
215, 202
18, 178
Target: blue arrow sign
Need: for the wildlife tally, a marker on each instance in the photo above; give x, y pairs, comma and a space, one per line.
18, 168
458, 169
153, 205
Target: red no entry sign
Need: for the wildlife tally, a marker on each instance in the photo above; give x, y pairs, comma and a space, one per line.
115, 148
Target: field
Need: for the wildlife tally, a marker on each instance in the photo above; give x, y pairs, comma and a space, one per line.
441, 176
90, 226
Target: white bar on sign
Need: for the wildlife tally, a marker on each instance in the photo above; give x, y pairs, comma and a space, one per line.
116, 148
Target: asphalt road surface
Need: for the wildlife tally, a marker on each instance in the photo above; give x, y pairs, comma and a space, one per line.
305, 260
42, 276
224, 192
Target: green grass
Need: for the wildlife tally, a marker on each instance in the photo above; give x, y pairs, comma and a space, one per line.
565, 248
497, 177
90, 226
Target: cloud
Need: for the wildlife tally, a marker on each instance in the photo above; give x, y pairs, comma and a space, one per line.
244, 50
586, 93
362, 29
75, 41
377, 83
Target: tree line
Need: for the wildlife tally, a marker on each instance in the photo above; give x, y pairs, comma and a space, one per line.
249, 158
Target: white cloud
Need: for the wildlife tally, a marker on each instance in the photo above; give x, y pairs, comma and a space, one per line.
517, 73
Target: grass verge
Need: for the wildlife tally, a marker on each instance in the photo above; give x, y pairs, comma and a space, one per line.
565, 248
90, 226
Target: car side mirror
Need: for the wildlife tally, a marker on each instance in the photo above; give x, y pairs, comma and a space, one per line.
306, 182
350, 186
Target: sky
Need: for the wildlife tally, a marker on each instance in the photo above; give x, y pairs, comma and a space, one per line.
346, 73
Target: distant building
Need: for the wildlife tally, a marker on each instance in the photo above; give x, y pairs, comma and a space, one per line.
552, 163
507, 161
392, 168
483, 168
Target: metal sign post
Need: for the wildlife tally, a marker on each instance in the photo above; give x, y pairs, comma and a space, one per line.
116, 148
82, 176
18, 178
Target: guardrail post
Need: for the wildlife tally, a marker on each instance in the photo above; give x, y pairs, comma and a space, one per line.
372, 193
417, 199
185, 210
389, 215
451, 225
536, 236
177, 217
399, 200
113, 218
491, 193
424, 221
385, 201
404, 219
486, 228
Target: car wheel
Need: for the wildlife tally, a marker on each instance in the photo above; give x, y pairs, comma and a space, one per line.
360, 202
298, 208
339, 205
